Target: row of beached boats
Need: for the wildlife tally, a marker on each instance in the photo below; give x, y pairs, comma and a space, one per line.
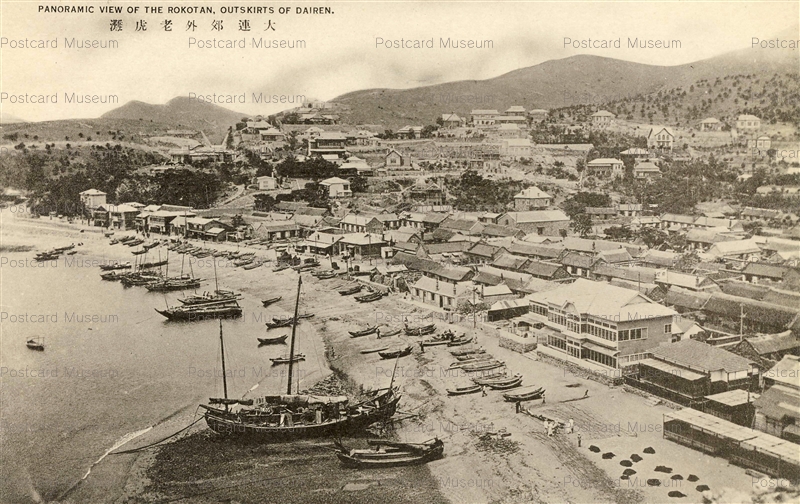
49, 255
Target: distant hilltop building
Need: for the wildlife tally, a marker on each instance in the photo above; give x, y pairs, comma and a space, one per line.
452, 120
516, 110
484, 117
710, 124
602, 118
748, 122
661, 138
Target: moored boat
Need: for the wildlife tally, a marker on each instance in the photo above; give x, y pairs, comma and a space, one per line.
393, 354
363, 332
273, 300
421, 330
273, 341
389, 454
286, 359
459, 342
514, 382
351, 290
208, 311
374, 350
526, 394
467, 351
470, 389
35, 344
370, 297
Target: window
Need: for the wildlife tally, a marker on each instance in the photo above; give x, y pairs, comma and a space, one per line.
667, 328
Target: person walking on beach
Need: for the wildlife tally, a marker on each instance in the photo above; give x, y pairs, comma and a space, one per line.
378, 331
586, 394
543, 400
483, 390
579, 440
570, 426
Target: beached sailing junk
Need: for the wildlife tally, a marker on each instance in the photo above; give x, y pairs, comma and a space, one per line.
277, 418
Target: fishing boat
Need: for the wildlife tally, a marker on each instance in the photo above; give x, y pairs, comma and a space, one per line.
421, 330
280, 267
374, 350
154, 264
207, 311
173, 284
139, 252
460, 342
441, 339
390, 333
137, 279
113, 242
112, 276
209, 297
35, 344
252, 266
483, 366
467, 351
134, 243
115, 266
384, 453
277, 340
351, 290
469, 389
526, 394
287, 417
326, 275
393, 354
473, 356
512, 383
151, 246
370, 297
278, 324
286, 359
72, 252
267, 302
500, 377
47, 256
363, 332
470, 362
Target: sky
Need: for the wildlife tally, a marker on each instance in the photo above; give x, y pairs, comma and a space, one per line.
341, 51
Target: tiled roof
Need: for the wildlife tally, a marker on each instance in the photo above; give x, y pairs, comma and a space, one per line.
697, 355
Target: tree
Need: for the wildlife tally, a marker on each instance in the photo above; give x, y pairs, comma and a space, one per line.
264, 202
619, 233
581, 224
359, 184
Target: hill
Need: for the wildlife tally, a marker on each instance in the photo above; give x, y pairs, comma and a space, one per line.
9, 119
570, 81
181, 113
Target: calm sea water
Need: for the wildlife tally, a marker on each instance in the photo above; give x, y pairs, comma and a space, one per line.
113, 366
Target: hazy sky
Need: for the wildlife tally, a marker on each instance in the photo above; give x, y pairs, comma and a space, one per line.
340, 53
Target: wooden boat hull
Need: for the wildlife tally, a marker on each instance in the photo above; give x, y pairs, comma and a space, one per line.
374, 350
226, 424
395, 457
200, 315
459, 342
368, 298
526, 396
273, 341
267, 302
39, 347
351, 290
483, 367
396, 353
421, 331
464, 391
285, 360
507, 385
389, 334
365, 332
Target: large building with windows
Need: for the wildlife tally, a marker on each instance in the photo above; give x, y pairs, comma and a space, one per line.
602, 323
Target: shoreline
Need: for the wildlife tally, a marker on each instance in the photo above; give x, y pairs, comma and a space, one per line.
527, 466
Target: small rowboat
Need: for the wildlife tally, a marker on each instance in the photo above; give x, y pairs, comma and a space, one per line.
500, 377
374, 350
253, 265
389, 454
35, 344
279, 323
459, 342
483, 366
368, 298
473, 356
467, 351
115, 266
267, 302
326, 275
273, 341
470, 389
514, 382
364, 332
393, 354
434, 342
527, 394
481, 359
139, 252
285, 360
389, 334
421, 330
351, 290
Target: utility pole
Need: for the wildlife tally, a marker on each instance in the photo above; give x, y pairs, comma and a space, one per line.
474, 322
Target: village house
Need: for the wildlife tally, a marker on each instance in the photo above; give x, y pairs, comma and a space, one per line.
659, 259
92, 198
676, 222
327, 142
515, 110
514, 120
629, 209
509, 131
319, 243
200, 153
461, 226
444, 295
537, 115
394, 159
483, 253
515, 148
602, 119
337, 187
122, 217
646, 170
541, 222
710, 124
755, 272
600, 213
374, 223
531, 198
428, 193
761, 145
661, 138
607, 325
741, 250
360, 245
606, 168
207, 229
578, 264
767, 349
748, 122
636, 153
688, 370
277, 231
776, 408
755, 214
452, 120
703, 239
482, 118
160, 221
267, 183
409, 132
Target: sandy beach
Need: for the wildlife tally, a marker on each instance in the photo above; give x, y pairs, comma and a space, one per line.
525, 466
